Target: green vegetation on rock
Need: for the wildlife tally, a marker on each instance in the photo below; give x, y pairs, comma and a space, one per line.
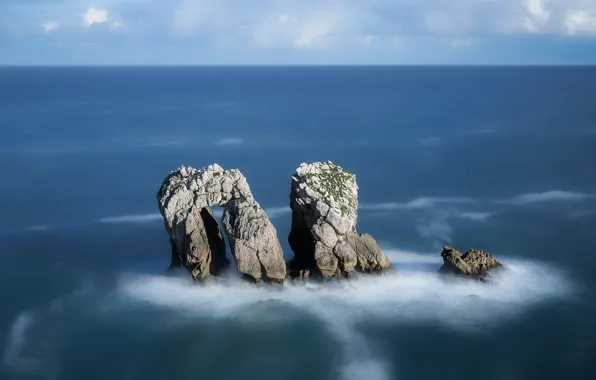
332, 182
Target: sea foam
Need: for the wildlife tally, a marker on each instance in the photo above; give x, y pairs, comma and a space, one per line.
415, 294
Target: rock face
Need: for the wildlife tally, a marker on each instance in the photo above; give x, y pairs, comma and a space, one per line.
324, 203
474, 263
185, 198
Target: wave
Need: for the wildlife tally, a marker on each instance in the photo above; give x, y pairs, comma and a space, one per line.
229, 142
547, 196
17, 338
417, 203
15, 357
132, 218
476, 216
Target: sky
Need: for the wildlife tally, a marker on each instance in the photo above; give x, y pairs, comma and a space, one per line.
279, 32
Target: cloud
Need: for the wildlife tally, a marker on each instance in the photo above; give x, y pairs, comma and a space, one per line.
309, 31
94, 16
537, 15
548, 196
317, 29
580, 22
49, 26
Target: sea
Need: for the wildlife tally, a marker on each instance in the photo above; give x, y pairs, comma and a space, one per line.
495, 158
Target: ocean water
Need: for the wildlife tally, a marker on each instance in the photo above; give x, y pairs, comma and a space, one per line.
500, 159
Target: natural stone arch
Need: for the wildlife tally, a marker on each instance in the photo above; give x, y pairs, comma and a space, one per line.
185, 198
324, 203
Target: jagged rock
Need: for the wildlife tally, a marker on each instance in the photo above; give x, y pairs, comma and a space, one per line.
198, 245
185, 198
324, 203
474, 263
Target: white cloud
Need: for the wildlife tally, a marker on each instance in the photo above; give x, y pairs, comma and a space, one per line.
316, 30
49, 26
580, 22
342, 26
537, 16
547, 196
94, 16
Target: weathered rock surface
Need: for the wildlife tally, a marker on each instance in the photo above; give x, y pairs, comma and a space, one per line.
185, 198
474, 263
324, 203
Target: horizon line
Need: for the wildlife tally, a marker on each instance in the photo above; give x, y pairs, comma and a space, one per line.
152, 65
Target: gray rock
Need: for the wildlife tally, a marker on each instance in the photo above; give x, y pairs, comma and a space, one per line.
371, 259
324, 203
199, 246
474, 263
185, 198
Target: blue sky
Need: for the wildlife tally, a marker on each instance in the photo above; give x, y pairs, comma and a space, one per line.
179, 32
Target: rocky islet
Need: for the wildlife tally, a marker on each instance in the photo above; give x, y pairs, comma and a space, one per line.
323, 236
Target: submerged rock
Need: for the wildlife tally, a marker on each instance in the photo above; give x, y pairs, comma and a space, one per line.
474, 263
185, 198
324, 203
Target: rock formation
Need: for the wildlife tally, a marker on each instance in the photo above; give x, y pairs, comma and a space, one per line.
474, 263
185, 198
324, 203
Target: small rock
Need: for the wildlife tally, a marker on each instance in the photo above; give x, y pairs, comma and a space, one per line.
474, 263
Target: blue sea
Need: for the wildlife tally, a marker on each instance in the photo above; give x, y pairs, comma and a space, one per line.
495, 158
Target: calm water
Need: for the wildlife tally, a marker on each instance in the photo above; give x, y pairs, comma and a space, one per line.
495, 158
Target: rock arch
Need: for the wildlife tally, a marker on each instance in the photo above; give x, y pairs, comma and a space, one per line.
185, 199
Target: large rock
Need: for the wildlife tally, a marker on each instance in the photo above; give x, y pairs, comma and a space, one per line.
324, 203
185, 198
474, 263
